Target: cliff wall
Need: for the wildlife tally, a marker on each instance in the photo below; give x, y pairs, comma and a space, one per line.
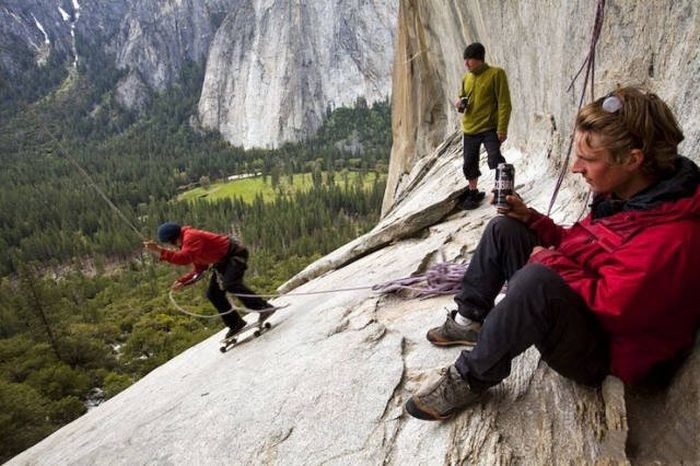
541, 45
276, 67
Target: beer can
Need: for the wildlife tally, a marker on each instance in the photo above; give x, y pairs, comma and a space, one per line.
505, 184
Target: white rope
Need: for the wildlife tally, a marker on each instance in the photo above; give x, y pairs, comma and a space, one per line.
213, 316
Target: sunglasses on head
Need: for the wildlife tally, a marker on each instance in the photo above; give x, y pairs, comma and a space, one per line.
611, 103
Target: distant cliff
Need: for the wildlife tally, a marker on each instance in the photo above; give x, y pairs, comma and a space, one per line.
273, 68
150, 39
276, 67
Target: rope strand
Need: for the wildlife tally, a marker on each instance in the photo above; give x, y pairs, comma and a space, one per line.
440, 279
589, 65
64, 153
213, 316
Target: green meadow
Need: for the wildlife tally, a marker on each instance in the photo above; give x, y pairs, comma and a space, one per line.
248, 188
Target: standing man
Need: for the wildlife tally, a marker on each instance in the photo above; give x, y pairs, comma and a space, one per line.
226, 254
484, 101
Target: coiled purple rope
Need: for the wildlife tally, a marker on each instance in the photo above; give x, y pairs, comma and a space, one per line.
440, 279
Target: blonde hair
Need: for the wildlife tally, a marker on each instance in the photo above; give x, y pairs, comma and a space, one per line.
637, 120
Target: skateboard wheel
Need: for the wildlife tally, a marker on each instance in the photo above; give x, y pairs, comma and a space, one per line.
222, 349
256, 333
268, 325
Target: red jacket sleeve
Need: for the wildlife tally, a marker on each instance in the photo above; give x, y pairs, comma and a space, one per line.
190, 251
548, 232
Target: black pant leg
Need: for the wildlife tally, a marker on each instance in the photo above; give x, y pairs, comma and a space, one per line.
504, 247
250, 302
471, 144
493, 149
539, 309
217, 296
232, 281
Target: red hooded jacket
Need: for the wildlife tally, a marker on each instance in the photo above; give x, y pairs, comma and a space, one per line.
637, 265
199, 248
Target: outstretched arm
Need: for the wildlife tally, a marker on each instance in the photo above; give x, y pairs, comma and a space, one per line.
152, 246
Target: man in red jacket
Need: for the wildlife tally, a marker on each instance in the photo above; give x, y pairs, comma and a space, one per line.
225, 254
614, 293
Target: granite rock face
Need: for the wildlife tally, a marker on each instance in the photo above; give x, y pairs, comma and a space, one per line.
273, 68
32, 30
151, 40
154, 39
276, 67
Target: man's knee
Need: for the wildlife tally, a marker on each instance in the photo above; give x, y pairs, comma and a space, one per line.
233, 286
532, 277
494, 157
503, 226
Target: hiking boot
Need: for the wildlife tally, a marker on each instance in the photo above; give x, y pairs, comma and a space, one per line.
472, 199
265, 315
451, 333
232, 331
439, 400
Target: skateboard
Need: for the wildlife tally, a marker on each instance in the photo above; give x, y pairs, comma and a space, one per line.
230, 342
260, 328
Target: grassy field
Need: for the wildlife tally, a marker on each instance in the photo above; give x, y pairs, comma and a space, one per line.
248, 188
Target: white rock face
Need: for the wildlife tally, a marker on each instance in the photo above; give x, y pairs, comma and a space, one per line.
275, 67
155, 38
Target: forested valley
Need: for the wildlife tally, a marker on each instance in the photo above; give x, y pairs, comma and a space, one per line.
84, 311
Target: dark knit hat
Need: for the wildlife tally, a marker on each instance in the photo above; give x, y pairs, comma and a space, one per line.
475, 50
168, 232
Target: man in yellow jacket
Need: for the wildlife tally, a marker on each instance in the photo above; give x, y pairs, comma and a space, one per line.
484, 101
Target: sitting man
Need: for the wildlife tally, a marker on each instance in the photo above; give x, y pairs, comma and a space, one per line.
227, 256
614, 293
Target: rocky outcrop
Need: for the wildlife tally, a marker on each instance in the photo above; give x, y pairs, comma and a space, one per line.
150, 39
276, 67
155, 39
30, 30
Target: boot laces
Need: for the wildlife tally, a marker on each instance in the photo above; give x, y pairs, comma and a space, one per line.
446, 389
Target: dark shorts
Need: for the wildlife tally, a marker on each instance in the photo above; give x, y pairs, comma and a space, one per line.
471, 144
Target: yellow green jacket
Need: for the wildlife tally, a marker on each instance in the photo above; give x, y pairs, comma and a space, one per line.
489, 100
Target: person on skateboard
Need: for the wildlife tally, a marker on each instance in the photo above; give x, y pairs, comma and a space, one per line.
227, 256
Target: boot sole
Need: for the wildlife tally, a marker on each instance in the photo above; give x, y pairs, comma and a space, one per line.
414, 410
453, 343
